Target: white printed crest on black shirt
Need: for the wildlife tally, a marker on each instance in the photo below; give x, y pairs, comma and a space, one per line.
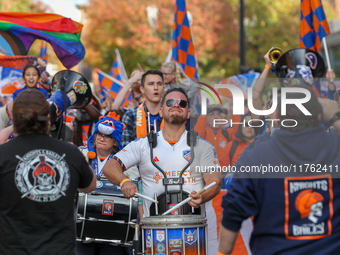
42, 175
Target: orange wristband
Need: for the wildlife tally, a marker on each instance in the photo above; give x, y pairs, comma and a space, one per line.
124, 181
267, 66
220, 253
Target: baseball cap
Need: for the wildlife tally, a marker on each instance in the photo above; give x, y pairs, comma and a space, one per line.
31, 99
224, 110
214, 107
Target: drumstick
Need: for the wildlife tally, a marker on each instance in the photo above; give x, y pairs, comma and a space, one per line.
145, 197
188, 199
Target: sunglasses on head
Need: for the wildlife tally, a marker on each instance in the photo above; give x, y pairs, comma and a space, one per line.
171, 102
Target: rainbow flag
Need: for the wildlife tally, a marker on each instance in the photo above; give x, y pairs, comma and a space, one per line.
114, 87
313, 24
43, 51
118, 70
19, 30
183, 50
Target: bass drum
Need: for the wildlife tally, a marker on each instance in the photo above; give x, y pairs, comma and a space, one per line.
105, 215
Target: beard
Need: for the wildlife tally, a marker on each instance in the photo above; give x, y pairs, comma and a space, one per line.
175, 120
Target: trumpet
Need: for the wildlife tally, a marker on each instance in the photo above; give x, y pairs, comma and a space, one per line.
275, 54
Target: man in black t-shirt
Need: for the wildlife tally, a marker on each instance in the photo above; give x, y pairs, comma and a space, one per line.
39, 177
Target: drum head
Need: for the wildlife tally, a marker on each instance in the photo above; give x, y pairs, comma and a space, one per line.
175, 220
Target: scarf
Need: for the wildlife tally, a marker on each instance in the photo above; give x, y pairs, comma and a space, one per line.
141, 122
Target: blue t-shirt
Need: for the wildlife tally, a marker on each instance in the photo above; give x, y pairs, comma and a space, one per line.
152, 121
16, 93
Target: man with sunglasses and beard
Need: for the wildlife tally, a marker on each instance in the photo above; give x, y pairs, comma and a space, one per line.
171, 154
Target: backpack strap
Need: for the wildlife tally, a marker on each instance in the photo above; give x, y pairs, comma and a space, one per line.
225, 134
233, 149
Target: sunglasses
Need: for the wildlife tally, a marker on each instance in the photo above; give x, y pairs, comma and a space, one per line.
180, 102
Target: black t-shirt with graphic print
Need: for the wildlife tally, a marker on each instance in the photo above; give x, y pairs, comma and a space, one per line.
39, 177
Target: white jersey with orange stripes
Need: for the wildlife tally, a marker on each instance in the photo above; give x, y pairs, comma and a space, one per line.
171, 159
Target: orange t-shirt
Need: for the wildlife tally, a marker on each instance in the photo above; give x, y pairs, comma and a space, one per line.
239, 149
219, 141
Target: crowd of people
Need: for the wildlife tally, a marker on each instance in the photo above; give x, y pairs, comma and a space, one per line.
143, 148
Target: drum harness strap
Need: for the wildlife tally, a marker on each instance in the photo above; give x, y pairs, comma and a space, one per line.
191, 141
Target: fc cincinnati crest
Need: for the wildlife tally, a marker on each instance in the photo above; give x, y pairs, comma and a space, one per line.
42, 175
187, 155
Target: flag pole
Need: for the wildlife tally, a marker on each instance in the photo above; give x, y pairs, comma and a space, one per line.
168, 57
120, 61
110, 77
326, 53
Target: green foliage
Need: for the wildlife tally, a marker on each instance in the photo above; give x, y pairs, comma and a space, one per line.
124, 24
15, 5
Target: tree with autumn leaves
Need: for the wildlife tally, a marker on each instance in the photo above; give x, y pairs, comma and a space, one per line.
24, 6
142, 31
145, 38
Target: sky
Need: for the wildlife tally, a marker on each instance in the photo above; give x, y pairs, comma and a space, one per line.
66, 8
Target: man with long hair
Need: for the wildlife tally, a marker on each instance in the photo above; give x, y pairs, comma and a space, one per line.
39, 177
